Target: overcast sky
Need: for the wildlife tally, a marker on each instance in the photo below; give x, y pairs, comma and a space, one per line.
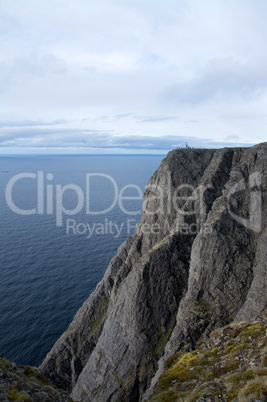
132, 75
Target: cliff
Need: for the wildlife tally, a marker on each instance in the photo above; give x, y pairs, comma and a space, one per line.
196, 262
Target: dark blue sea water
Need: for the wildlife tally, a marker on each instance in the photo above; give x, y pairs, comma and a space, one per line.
56, 241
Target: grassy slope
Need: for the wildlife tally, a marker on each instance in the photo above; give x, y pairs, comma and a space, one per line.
230, 366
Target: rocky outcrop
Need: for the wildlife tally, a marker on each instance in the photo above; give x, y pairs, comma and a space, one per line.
27, 384
196, 261
231, 365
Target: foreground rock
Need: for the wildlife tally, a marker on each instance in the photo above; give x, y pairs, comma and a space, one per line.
231, 365
196, 262
26, 384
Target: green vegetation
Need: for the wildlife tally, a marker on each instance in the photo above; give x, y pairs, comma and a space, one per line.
25, 384
99, 314
231, 366
15, 395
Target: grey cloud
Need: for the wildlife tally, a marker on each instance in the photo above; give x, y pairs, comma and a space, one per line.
112, 119
105, 119
21, 69
232, 137
61, 135
221, 79
109, 58
32, 123
10, 27
149, 59
154, 119
191, 121
102, 139
122, 115
139, 119
90, 69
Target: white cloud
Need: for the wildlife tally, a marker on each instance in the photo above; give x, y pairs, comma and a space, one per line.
46, 138
21, 70
161, 66
222, 80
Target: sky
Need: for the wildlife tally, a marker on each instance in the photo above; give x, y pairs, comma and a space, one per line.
131, 76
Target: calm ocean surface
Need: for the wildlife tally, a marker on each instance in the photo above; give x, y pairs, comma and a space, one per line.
49, 267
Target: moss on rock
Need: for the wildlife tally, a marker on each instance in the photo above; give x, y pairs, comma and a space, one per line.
230, 366
26, 384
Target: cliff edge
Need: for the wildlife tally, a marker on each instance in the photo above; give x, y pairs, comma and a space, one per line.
196, 262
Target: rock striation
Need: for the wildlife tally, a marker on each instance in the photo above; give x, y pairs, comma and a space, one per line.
196, 262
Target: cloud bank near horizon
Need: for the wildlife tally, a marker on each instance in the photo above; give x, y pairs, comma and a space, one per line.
131, 75
90, 141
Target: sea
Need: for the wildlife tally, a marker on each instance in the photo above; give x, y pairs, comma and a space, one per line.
62, 219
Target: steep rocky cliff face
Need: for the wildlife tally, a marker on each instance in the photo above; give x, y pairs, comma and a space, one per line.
196, 262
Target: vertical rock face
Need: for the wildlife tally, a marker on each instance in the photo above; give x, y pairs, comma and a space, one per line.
196, 261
